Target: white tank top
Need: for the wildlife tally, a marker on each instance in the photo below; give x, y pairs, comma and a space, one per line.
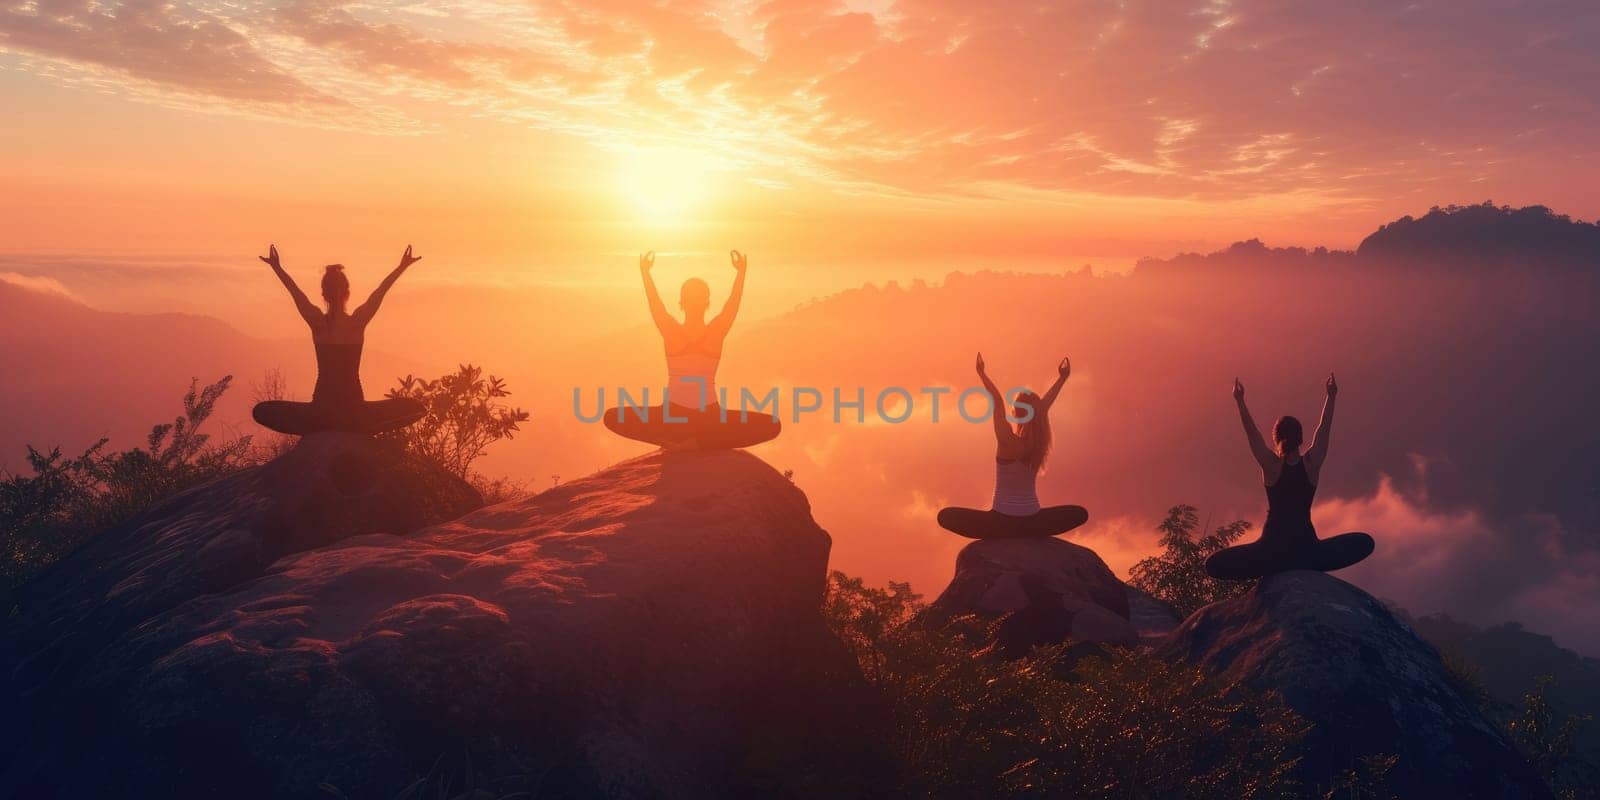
1014, 493
691, 393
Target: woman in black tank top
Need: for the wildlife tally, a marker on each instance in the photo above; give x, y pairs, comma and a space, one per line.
337, 403
1288, 539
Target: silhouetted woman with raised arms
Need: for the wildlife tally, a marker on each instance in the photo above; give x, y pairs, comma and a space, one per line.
1020, 453
693, 350
337, 403
1288, 540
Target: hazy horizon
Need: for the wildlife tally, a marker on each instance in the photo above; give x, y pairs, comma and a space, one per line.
530, 151
1145, 422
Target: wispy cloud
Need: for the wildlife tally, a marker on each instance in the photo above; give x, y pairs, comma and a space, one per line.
151, 43
38, 283
1131, 99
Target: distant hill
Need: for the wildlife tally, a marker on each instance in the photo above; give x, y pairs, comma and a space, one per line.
75, 373
1465, 439
1509, 660
1532, 235
1445, 237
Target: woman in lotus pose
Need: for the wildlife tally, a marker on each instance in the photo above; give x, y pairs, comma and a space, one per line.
336, 402
693, 349
1020, 453
1288, 540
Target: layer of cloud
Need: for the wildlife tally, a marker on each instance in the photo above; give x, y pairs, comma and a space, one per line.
152, 43
1209, 98
1472, 565
38, 283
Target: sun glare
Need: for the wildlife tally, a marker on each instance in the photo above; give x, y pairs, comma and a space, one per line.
663, 186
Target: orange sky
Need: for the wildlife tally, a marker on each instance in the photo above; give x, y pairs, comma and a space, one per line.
530, 148
517, 136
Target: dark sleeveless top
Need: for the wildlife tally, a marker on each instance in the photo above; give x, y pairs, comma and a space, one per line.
1289, 502
338, 374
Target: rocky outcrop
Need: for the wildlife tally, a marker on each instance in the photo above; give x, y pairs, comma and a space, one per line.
1043, 591
1150, 616
652, 630
1364, 679
327, 488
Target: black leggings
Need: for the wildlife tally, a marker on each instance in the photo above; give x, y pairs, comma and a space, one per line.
704, 429
975, 524
1261, 558
370, 416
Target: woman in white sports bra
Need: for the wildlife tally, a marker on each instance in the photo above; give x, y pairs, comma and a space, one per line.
1020, 452
693, 348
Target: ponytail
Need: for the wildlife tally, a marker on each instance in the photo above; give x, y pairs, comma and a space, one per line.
1287, 435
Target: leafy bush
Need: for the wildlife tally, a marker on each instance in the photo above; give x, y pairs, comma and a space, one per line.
969, 723
1548, 742
66, 500
1365, 781
1178, 576
463, 417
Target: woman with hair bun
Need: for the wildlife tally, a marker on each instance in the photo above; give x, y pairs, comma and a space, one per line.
1288, 540
337, 403
691, 415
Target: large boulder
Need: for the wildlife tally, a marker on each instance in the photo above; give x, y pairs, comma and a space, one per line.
1043, 591
651, 630
328, 487
1364, 680
1152, 617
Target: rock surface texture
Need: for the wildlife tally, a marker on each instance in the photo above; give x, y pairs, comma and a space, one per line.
1152, 618
1364, 679
651, 630
1048, 590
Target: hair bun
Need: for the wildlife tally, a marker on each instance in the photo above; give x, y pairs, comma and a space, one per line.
336, 268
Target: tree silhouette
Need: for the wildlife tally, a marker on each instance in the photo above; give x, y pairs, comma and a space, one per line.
1178, 575
464, 416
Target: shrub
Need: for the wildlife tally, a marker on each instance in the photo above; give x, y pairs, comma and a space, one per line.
1178, 576
969, 723
66, 500
464, 416
1548, 742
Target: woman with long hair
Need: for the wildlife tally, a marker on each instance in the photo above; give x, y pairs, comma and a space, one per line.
692, 416
337, 403
1022, 445
1288, 539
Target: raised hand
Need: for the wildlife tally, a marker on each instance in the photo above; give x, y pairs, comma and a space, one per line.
271, 258
980, 364
646, 261
1064, 368
408, 259
1238, 389
1333, 385
740, 260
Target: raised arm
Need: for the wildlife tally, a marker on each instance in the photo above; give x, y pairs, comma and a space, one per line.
730, 309
1002, 427
658, 310
1258, 446
308, 310
1318, 451
1062, 371
369, 309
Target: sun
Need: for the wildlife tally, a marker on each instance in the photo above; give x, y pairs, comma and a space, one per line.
664, 186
